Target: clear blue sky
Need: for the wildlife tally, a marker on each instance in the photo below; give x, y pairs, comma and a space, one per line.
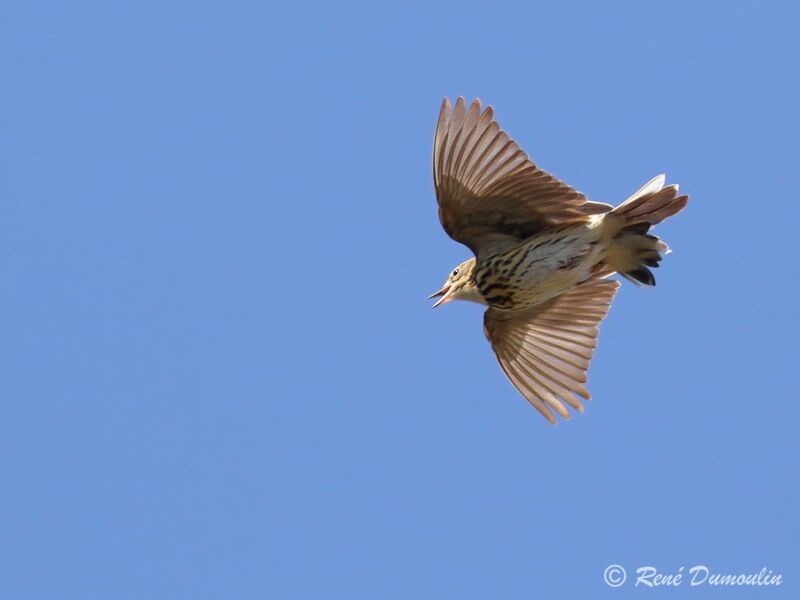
220, 377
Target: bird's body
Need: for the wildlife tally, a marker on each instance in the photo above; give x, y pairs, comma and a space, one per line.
542, 251
540, 267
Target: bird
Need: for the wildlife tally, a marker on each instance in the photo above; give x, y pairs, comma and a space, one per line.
542, 253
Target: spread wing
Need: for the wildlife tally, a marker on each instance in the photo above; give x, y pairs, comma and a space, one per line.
488, 189
545, 351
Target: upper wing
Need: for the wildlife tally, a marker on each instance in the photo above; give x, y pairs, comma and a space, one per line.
488, 189
545, 351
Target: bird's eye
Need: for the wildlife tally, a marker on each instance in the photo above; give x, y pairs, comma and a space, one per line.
454, 273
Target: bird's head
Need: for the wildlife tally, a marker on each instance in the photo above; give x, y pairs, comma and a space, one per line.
459, 285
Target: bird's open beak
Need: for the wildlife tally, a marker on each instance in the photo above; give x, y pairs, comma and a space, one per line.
443, 294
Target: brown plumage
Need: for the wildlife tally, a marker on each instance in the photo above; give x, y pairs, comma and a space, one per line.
542, 251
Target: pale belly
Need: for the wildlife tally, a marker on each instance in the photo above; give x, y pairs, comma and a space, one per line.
540, 267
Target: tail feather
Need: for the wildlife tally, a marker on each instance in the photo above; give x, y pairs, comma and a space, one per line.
651, 204
632, 249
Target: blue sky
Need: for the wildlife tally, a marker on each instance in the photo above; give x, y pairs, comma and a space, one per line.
220, 377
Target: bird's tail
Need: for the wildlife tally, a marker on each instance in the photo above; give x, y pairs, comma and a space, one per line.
631, 249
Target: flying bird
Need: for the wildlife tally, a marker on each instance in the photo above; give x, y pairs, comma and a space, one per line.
543, 253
